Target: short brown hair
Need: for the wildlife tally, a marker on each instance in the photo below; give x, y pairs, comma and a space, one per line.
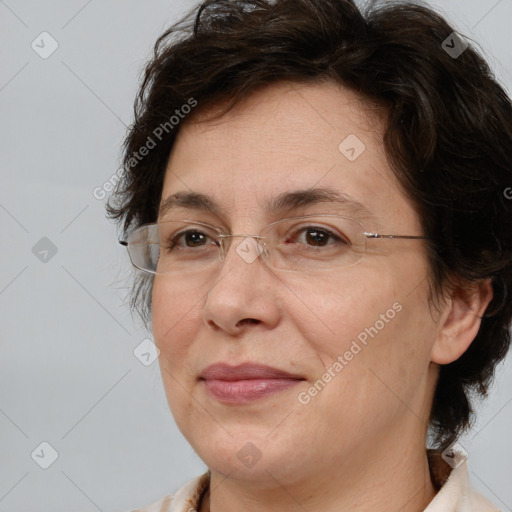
448, 138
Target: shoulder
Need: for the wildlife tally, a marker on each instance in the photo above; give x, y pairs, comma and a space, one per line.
186, 499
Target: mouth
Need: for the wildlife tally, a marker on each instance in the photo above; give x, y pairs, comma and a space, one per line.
247, 382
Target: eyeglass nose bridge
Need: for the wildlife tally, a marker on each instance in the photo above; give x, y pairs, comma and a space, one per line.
263, 245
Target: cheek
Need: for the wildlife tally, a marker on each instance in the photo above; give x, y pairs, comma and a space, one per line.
379, 380
173, 310
332, 317
396, 356
379, 331
174, 320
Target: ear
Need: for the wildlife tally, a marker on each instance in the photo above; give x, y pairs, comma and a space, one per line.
460, 321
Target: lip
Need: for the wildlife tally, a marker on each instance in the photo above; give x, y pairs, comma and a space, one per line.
246, 382
245, 371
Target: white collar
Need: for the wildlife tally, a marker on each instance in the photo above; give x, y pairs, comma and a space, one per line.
457, 496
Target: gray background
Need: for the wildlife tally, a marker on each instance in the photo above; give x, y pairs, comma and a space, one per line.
68, 372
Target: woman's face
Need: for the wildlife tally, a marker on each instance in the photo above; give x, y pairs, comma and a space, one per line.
372, 318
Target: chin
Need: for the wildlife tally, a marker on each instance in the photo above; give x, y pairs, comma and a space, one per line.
248, 457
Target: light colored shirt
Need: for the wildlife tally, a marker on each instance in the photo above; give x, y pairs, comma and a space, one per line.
453, 492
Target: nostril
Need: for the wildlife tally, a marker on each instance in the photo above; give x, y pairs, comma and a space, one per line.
247, 321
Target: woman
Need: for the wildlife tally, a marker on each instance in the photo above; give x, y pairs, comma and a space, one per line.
317, 200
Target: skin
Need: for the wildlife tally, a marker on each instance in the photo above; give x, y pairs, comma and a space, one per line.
360, 443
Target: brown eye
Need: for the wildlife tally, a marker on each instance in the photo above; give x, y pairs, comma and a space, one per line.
193, 238
318, 237
190, 240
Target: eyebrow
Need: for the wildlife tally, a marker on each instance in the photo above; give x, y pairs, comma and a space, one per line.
286, 201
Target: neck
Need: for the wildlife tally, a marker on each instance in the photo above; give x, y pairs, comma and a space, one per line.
369, 480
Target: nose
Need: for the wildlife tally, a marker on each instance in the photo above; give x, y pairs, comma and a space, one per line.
244, 292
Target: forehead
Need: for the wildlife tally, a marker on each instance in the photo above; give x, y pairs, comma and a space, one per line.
284, 138
288, 121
